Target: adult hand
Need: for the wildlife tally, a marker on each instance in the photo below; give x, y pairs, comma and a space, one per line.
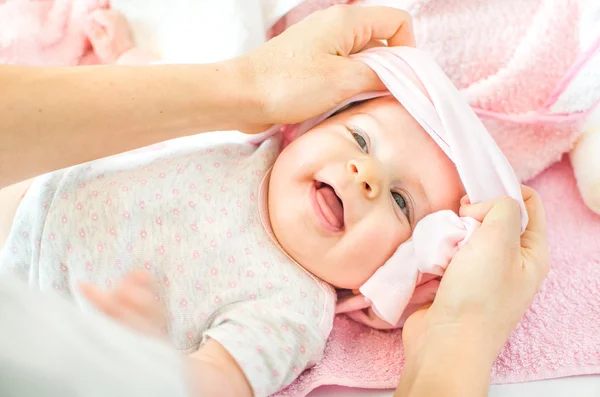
299, 74
490, 282
306, 70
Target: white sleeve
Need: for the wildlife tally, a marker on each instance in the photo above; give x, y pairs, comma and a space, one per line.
272, 346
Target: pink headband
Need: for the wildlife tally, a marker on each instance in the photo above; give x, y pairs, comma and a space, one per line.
419, 84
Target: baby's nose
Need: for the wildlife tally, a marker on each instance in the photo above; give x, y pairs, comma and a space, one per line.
366, 175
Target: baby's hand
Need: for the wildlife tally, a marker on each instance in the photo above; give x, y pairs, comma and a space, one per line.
133, 303
109, 34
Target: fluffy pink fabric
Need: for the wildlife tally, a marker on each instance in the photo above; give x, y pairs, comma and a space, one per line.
557, 337
46, 32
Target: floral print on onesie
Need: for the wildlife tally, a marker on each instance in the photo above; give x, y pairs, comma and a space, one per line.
195, 218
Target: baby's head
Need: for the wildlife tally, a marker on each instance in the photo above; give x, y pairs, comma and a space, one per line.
343, 196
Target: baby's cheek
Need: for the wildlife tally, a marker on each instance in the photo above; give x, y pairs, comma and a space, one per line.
384, 240
396, 234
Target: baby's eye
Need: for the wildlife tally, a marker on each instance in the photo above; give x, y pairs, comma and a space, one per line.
399, 199
362, 142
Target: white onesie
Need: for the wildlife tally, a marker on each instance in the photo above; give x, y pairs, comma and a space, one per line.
195, 217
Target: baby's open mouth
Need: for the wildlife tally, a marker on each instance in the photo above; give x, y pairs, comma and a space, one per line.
330, 204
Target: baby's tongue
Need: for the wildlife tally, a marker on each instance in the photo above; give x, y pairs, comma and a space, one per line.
332, 208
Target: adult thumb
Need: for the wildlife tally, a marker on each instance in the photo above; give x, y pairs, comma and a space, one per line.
359, 78
503, 220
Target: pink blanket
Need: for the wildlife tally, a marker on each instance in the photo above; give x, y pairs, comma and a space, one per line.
46, 32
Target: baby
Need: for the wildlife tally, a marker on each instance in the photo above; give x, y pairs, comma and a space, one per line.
247, 243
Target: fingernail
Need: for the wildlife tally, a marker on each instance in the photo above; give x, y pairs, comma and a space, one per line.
465, 200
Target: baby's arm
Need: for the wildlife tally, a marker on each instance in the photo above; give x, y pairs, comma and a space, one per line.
252, 348
211, 371
214, 372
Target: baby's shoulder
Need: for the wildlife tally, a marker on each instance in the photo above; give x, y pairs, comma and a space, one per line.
301, 294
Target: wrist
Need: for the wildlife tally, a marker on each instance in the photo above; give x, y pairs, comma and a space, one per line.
450, 362
457, 340
248, 101
447, 324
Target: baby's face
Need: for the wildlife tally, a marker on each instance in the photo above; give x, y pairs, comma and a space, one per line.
346, 194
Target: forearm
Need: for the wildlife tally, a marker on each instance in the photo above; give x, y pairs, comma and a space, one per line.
449, 366
212, 372
51, 118
208, 380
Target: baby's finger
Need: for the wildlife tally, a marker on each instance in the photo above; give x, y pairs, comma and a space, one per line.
135, 296
104, 301
102, 19
152, 326
140, 298
140, 278
94, 31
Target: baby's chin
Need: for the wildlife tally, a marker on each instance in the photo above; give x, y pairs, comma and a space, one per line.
345, 280
341, 272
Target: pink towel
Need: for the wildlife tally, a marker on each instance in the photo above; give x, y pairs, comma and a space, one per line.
46, 32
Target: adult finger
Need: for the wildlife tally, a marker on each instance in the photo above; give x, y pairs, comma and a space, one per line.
534, 241
373, 43
373, 23
535, 211
356, 77
478, 211
507, 212
387, 23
